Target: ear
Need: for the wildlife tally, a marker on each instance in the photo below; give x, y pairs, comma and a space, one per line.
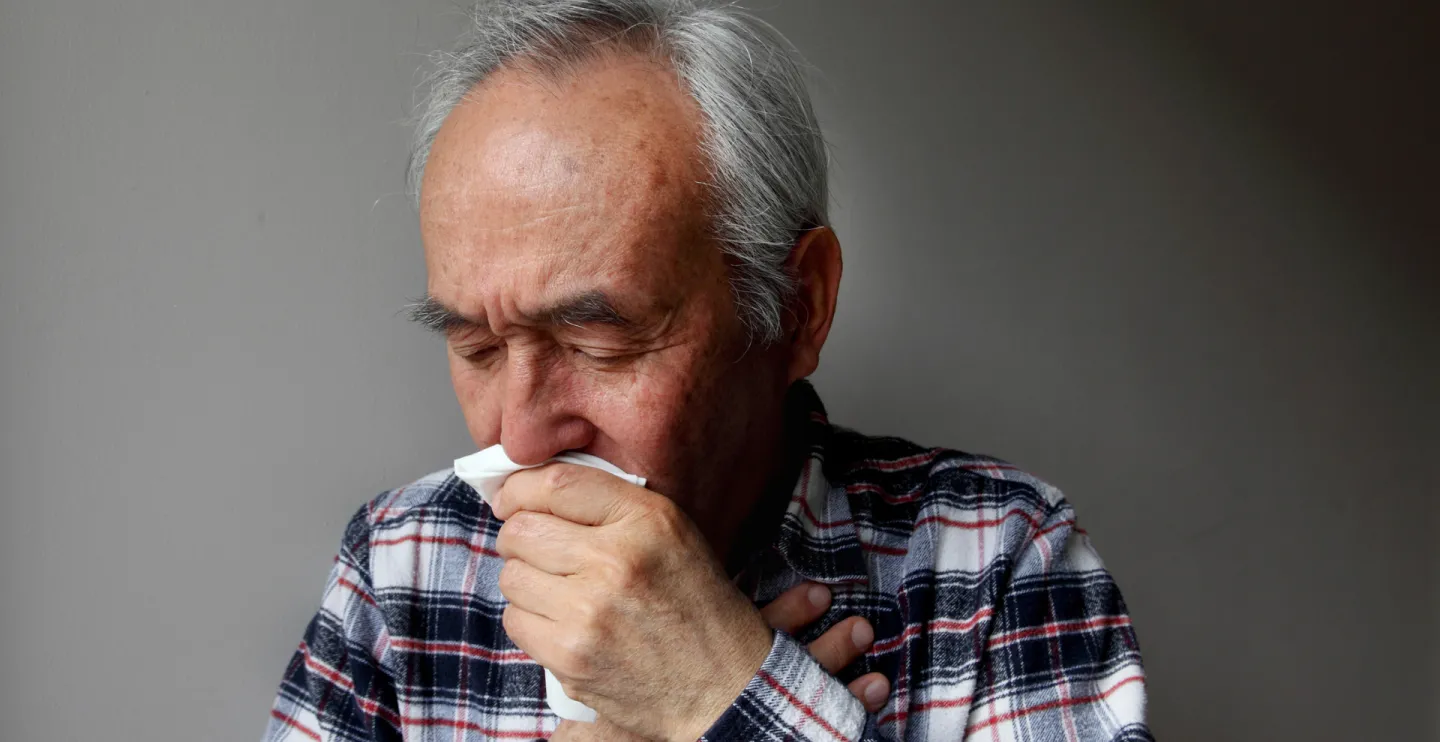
816, 265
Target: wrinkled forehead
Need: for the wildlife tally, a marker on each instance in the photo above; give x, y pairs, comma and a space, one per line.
596, 174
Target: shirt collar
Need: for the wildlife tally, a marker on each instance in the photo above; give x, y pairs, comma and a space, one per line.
816, 534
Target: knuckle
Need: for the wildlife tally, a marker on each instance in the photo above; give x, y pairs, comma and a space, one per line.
523, 525
633, 574
574, 658
510, 530
606, 568
509, 578
502, 540
507, 622
584, 613
559, 476
666, 517
621, 571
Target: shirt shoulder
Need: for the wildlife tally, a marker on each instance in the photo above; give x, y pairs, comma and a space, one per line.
937, 508
411, 537
439, 493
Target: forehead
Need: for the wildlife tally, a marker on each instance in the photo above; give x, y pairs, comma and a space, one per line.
537, 183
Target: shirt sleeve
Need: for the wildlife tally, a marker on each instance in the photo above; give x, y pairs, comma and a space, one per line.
336, 688
1061, 654
792, 697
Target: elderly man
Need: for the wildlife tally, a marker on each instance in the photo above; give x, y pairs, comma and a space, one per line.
623, 205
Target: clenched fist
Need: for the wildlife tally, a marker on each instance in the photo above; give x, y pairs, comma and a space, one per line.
614, 590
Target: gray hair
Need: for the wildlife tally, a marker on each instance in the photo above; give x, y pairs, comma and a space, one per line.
767, 159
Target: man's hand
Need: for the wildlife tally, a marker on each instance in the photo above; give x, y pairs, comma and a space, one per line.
799, 606
613, 589
842, 644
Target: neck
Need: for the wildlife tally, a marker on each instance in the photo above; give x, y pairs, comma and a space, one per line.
742, 527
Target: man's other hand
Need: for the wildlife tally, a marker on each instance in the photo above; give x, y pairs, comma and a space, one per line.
842, 644
796, 608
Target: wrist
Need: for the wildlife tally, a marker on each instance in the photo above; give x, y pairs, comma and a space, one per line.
729, 680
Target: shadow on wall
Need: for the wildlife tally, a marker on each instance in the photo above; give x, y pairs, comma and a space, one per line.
1352, 93
1178, 259
1348, 95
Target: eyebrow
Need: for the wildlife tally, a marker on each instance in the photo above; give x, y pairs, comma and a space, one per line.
588, 308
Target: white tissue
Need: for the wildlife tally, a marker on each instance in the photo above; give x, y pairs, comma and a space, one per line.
486, 472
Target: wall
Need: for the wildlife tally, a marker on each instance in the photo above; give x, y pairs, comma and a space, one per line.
1178, 262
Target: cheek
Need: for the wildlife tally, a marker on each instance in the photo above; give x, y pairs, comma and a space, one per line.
639, 414
654, 423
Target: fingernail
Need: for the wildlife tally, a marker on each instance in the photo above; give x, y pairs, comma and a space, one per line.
876, 692
862, 634
819, 596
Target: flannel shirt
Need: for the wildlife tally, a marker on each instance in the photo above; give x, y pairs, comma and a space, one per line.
994, 618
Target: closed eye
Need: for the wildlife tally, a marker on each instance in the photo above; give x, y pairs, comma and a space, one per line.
600, 358
477, 354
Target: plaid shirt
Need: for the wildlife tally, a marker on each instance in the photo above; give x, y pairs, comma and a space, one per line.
994, 618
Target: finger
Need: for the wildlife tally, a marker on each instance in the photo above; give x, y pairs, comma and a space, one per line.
872, 689
531, 632
797, 607
843, 643
534, 590
543, 541
576, 493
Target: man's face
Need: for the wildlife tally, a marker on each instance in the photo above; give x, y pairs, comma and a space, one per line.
563, 220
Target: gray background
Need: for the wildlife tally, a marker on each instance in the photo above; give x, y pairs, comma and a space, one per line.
1177, 261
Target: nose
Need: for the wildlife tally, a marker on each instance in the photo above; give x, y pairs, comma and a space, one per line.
538, 420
